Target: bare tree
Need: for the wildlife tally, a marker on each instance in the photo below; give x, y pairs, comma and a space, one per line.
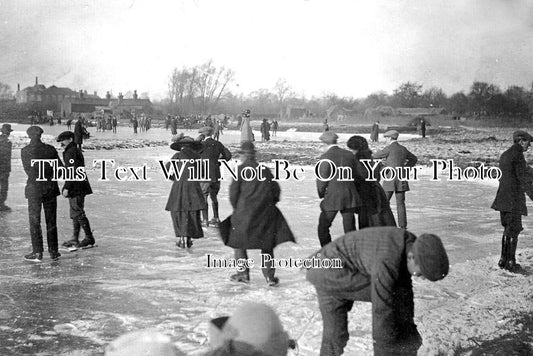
5, 91
282, 89
212, 82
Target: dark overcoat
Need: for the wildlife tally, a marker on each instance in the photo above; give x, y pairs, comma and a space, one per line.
72, 157
374, 134
374, 269
516, 180
35, 189
338, 194
214, 150
5, 154
396, 155
256, 222
78, 132
185, 194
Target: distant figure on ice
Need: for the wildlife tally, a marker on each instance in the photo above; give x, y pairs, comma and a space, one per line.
212, 150
135, 124
375, 209
79, 132
516, 179
186, 200
275, 126
5, 164
256, 222
246, 129
396, 156
337, 193
325, 125
41, 194
378, 263
75, 191
254, 329
422, 127
374, 133
265, 130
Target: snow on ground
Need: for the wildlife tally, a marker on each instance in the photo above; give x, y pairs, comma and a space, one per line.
136, 278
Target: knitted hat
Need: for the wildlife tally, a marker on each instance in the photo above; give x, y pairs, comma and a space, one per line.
142, 343
329, 137
258, 325
431, 257
247, 147
517, 135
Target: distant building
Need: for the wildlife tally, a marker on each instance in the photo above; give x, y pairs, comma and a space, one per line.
129, 106
293, 112
51, 97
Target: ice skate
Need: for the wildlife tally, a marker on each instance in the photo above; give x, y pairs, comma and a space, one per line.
34, 257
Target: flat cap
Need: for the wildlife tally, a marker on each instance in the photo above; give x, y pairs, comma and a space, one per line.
247, 147
206, 130
65, 135
519, 134
391, 133
329, 137
34, 131
431, 257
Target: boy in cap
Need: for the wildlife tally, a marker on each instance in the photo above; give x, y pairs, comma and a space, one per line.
212, 150
377, 265
253, 329
75, 190
41, 193
396, 155
510, 200
142, 343
337, 194
5, 164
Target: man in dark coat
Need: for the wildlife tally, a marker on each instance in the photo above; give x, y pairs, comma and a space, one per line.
212, 150
5, 164
75, 189
516, 179
337, 193
396, 156
41, 193
377, 265
79, 130
256, 222
374, 134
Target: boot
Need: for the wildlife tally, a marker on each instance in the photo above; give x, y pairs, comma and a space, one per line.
89, 238
242, 277
511, 264
74, 241
205, 218
181, 242
189, 242
503, 259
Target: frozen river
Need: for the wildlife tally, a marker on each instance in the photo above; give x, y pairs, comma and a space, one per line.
136, 278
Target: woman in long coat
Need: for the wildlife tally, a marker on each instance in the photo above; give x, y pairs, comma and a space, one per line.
186, 200
246, 130
256, 222
376, 209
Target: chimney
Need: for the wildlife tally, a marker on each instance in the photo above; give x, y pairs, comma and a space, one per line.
81, 94
95, 93
108, 96
18, 87
120, 98
36, 81
135, 94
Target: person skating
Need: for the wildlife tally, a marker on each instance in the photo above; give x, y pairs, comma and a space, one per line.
377, 265
76, 190
185, 201
6, 148
256, 222
396, 156
41, 194
510, 200
212, 150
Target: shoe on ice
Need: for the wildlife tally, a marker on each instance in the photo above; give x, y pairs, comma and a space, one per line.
34, 257
240, 277
215, 222
205, 223
4, 208
86, 242
189, 242
71, 243
272, 282
54, 255
181, 243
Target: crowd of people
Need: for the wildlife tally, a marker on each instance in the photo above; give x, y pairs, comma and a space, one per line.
379, 256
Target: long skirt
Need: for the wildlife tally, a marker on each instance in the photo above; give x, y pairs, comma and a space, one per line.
187, 223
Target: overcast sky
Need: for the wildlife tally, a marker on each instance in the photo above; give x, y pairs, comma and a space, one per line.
350, 48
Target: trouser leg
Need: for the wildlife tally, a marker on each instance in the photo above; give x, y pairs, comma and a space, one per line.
214, 188
34, 213
50, 215
348, 220
4, 186
505, 246
400, 206
240, 254
324, 223
334, 312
